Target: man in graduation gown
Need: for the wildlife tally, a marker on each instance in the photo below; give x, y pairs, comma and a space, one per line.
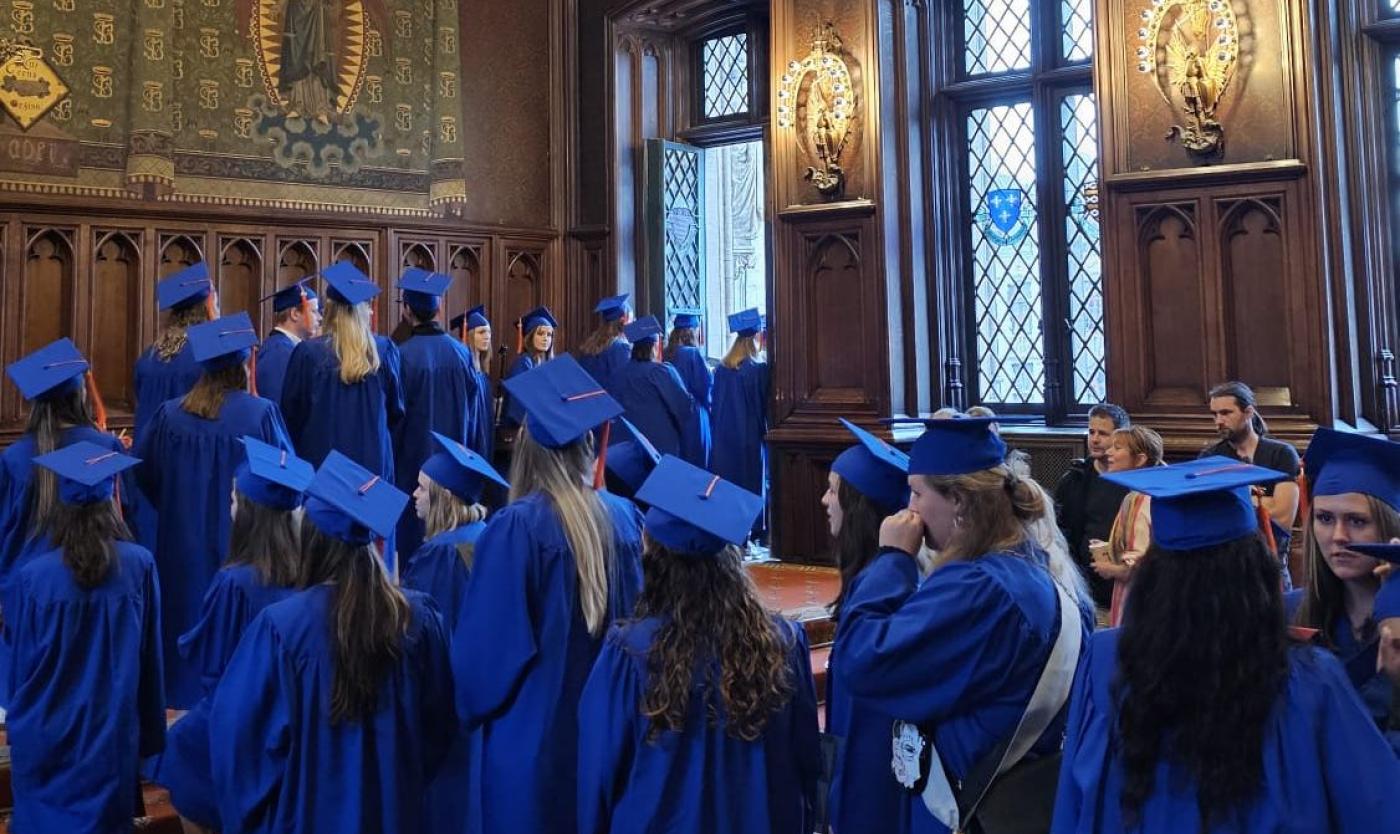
652, 392
436, 371
296, 316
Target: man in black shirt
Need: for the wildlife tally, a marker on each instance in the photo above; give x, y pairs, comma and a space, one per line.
1085, 504
1241, 431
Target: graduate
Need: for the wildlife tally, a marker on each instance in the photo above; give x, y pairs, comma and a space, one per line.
296, 312
189, 454
868, 482
343, 388
630, 460
448, 500
335, 711
436, 373
700, 714
955, 658
536, 332
741, 410
86, 691
550, 573
1201, 713
652, 391
606, 351
474, 329
1387, 614
684, 354
263, 567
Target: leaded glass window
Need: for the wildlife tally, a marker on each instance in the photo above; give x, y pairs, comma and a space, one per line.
1077, 30
724, 70
1079, 152
997, 36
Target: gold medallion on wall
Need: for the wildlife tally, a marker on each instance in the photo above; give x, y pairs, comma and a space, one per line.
29, 87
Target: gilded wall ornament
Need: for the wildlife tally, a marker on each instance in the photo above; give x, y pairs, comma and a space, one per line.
817, 98
1191, 49
29, 87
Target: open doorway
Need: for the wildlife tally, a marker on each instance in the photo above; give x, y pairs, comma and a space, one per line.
736, 256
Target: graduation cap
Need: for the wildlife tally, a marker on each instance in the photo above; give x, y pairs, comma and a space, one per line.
350, 503
875, 469
346, 284
471, 319
188, 286
613, 308
644, 329
746, 322
1341, 462
290, 298
631, 457
694, 511
561, 401
1387, 603
461, 471
955, 445
423, 290
272, 476
86, 471
222, 342
686, 318
48, 368
537, 317
1201, 502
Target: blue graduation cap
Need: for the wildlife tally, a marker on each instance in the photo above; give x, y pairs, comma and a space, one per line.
223, 341
47, 368
1387, 603
86, 471
471, 319
461, 471
644, 329
350, 503
694, 511
561, 401
631, 457
289, 298
686, 318
955, 446
874, 468
537, 317
1199, 503
1341, 462
746, 322
614, 307
346, 284
423, 290
272, 476
188, 286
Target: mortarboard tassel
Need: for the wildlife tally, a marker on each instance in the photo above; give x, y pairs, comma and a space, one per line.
519, 335
1304, 492
656, 350
601, 462
99, 409
209, 305
253, 372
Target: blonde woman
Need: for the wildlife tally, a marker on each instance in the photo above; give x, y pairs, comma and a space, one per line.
1135, 447
536, 347
551, 571
474, 329
740, 415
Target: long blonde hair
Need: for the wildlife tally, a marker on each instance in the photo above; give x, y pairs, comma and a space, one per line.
481, 359
172, 339
744, 347
448, 512
561, 475
347, 326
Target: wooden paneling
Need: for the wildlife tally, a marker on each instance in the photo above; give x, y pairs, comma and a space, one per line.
116, 314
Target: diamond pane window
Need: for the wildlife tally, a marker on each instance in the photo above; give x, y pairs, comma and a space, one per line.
1077, 22
681, 199
1006, 254
997, 36
1080, 151
724, 67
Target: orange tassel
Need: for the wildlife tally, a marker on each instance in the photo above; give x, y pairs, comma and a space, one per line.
209, 309
519, 336
601, 464
1304, 497
656, 350
99, 410
253, 372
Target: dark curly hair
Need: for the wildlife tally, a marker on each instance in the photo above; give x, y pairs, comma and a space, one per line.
857, 542
1202, 660
710, 612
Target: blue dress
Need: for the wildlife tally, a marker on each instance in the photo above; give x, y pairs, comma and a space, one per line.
280, 764
187, 466
740, 422
87, 701
701, 780
435, 371
656, 402
438, 571
1326, 768
520, 655
958, 655
235, 597
604, 366
512, 412
273, 356
481, 415
699, 381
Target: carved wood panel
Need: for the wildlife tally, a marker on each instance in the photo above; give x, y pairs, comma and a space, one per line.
1254, 272
116, 315
1170, 258
239, 277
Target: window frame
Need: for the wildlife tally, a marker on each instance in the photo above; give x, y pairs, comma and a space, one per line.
701, 125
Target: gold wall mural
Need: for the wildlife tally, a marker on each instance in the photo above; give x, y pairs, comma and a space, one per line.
342, 104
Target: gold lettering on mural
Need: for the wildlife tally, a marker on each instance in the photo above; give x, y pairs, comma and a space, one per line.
403, 24
63, 111
425, 142
447, 39
22, 16
152, 97
177, 17
208, 94
104, 28
102, 82
64, 5
211, 4
155, 4
447, 84
403, 70
177, 117
374, 89
155, 45
447, 129
243, 72
243, 123
374, 43
177, 68
403, 118
63, 49
208, 42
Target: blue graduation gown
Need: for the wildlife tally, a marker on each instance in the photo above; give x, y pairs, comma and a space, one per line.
280, 764
235, 596
435, 371
154, 383
481, 415
690, 364
1326, 768
740, 422
520, 655
512, 412
273, 356
604, 366
959, 655
87, 693
701, 780
187, 465
864, 795
656, 402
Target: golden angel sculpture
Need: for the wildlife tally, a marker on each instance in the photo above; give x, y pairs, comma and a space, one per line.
1191, 49
817, 97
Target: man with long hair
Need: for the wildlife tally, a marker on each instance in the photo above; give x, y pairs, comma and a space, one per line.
1242, 436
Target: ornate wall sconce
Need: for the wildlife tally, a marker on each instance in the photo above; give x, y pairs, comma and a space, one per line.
816, 97
1191, 49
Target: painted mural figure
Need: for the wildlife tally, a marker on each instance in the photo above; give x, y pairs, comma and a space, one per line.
308, 60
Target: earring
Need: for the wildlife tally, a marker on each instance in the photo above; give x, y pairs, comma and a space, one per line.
958, 520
